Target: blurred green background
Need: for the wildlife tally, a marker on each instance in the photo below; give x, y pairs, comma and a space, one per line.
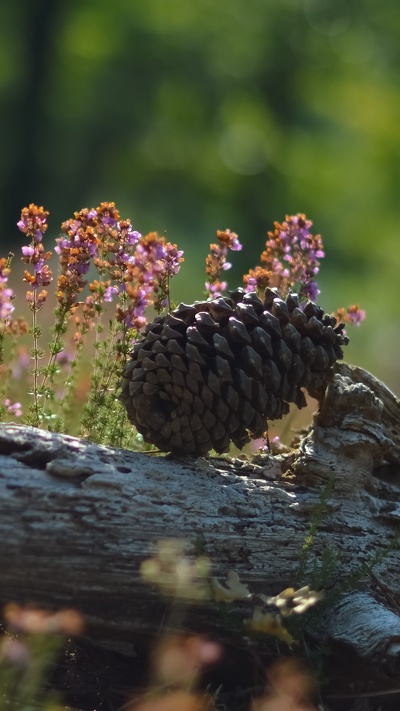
194, 115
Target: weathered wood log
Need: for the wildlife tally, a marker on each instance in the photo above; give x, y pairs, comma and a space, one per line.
358, 622
77, 519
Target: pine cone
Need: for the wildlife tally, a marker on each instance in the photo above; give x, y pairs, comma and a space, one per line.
215, 371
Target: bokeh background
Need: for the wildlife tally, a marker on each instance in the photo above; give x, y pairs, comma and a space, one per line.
194, 115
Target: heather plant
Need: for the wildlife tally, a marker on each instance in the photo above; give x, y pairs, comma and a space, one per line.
131, 269
33, 640
109, 282
290, 263
29, 648
216, 262
290, 260
12, 329
180, 658
186, 580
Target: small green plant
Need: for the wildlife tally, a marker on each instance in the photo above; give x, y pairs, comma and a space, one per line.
322, 573
309, 568
188, 580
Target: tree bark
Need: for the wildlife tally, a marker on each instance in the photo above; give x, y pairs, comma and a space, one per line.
77, 520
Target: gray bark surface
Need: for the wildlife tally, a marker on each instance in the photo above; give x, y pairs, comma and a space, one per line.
78, 519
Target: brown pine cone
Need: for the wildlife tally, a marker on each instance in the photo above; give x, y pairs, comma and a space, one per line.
213, 372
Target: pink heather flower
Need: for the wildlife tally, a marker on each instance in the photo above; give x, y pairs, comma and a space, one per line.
142, 300
6, 294
97, 235
13, 408
6, 305
163, 262
291, 244
216, 261
217, 288
149, 251
146, 278
173, 258
152, 259
356, 315
76, 249
33, 222
352, 315
229, 239
251, 284
133, 315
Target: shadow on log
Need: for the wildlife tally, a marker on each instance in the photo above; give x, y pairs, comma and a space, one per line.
78, 519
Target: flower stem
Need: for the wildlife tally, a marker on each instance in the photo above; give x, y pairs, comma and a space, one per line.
36, 355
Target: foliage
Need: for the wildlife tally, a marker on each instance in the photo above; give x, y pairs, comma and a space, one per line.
180, 659
28, 650
33, 639
136, 269
101, 258
88, 337
213, 114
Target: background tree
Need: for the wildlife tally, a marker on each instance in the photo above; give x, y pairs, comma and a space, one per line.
198, 116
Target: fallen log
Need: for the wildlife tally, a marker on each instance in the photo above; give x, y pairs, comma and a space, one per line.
77, 520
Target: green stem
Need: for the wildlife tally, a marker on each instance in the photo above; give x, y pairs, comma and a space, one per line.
36, 359
56, 347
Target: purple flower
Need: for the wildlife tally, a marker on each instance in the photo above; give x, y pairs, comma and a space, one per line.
28, 251
6, 294
356, 315
33, 222
235, 245
109, 221
173, 258
251, 284
290, 260
132, 238
133, 316
160, 252
310, 290
109, 292
216, 261
63, 243
82, 267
